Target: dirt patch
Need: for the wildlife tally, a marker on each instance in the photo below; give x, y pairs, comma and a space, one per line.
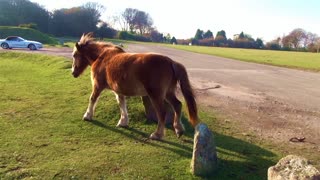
268, 118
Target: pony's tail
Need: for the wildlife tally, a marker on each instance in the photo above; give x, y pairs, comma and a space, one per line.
187, 91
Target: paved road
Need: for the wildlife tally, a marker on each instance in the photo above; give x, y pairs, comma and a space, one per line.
239, 80
274, 103
248, 81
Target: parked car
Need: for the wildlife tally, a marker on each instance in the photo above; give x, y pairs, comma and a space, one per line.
18, 42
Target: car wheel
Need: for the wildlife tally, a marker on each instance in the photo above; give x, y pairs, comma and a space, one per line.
32, 47
4, 46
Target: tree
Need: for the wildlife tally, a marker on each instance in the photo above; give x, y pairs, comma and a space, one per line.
274, 44
142, 22
286, 42
259, 43
17, 12
198, 35
129, 17
137, 20
310, 41
208, 35
156, 36
221, 38
244, 41
241, 35
317, 44
222, 33
311, 38
105, 31
206, 42
296, 36
173, 40
75, 21
167, 38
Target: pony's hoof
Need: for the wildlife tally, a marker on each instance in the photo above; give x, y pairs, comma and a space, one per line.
122, 126
123, 123
179, 133
156, 136
87, 117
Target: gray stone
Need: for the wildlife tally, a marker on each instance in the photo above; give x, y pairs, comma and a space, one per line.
204, 158
293, 167
151, 113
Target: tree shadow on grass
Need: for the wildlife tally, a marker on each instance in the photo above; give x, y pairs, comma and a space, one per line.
237, 159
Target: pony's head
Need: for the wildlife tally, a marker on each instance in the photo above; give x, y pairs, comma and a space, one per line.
86, 51
81, 55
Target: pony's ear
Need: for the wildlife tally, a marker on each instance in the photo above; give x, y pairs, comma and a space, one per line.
78, 46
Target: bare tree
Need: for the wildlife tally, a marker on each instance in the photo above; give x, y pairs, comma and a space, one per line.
143, 22
118, 19
297, 36
317, 44
311, 38
137, 20
286, 41
129, 16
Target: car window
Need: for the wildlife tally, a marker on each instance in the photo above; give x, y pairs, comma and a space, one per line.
20, 39
10, 38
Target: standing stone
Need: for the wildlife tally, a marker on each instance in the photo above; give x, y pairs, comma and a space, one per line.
204, 158
151, 113
293, 167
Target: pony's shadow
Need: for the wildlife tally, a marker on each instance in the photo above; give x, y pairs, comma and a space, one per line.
222, 141
143, 137
254, 164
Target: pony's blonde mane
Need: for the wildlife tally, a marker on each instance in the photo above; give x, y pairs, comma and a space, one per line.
89, 39
86, 39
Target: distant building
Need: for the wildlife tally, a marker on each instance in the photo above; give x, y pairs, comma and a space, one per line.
236, 36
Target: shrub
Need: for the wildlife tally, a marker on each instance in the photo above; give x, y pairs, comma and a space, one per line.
134, 37
30, 25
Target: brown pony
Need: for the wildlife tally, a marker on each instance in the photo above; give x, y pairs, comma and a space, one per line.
131, 74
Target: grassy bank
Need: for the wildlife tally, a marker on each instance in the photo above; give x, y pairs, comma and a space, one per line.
26, 33
43, 137
298, 60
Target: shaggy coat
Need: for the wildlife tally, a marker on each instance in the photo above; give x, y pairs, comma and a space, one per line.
134, 74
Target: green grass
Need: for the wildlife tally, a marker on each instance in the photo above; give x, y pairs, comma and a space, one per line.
26, 33
298, 60
43, 137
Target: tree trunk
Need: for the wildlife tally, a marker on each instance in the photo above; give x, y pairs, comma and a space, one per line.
151, 113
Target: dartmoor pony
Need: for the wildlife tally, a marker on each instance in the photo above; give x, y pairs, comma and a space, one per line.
134, 74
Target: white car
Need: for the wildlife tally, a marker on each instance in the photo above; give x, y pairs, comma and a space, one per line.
18, 42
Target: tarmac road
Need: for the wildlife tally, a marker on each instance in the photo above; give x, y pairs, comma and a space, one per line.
296, 87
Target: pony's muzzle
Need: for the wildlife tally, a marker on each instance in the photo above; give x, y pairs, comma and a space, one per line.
74, 74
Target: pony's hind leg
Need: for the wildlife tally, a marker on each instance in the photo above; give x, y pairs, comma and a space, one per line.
124, 120
92, 104
158, 104
176, 105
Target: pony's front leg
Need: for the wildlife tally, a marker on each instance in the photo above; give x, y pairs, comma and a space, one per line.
124, 120
92, 104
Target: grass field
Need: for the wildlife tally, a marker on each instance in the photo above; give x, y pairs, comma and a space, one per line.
298, 60
42, 135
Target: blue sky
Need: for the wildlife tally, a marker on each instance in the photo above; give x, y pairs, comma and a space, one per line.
266, 19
